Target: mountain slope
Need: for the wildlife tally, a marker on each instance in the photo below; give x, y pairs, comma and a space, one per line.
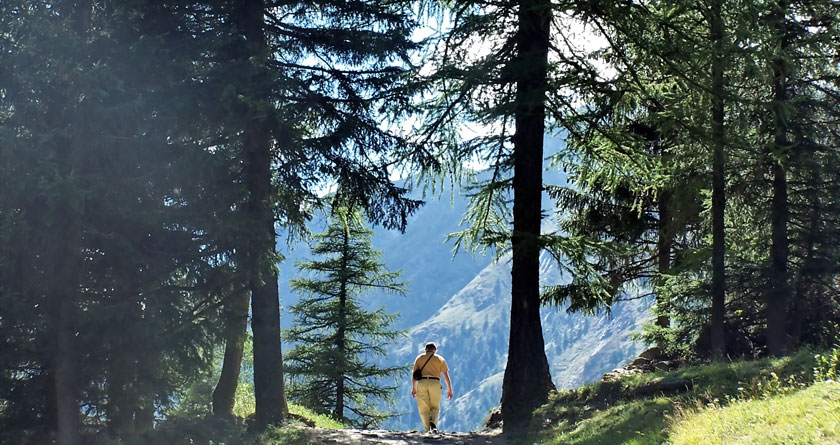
472, 330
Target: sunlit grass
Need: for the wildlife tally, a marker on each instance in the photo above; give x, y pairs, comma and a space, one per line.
809, 416
321, 420
605, 413
638, 423
245, 406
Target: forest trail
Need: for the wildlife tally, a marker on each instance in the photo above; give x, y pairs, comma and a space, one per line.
321, 436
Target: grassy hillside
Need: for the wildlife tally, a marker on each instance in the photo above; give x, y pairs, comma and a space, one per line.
809, 416
765, 401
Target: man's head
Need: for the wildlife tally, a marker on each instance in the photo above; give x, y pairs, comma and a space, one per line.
431, 347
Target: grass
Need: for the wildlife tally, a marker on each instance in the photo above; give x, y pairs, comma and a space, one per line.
808, 416
638, 423
321, 420
606, 413
245, 405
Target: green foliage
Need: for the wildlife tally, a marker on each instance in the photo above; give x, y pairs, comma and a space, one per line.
109, 261
336, 341
640, 161
828, 365
124, 219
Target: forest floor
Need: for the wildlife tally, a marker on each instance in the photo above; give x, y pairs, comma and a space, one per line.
322, 436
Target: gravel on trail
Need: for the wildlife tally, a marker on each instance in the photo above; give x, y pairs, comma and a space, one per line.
321, 436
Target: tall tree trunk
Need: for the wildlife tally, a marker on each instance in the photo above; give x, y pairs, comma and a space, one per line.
778, 288
663, 246
718, 337
64, 293
527, 380
805, 271
65, 377
224, 396
342, 327
269, 391
145, 390
119, 375
144, 417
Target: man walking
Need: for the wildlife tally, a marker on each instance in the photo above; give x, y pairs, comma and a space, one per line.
426, 387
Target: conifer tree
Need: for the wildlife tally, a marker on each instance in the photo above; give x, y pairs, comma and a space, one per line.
333, 363
309, 90
652, 134
506, 86
106, 223
714, 106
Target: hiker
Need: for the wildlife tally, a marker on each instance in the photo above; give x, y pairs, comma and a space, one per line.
426, 387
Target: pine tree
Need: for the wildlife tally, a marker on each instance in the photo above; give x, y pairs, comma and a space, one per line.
711, 121
332, 364
106, 215
309, 89
509, 86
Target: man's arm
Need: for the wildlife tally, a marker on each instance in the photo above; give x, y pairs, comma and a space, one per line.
413, 382
448, 384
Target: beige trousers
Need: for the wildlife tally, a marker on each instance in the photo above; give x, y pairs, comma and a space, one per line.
428, 401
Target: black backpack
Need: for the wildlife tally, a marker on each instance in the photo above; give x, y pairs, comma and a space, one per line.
418, 374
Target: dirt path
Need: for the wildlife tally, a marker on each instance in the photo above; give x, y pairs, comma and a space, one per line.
320, 436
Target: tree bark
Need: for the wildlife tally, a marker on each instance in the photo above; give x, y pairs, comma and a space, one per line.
527, 380
269, 391
65, 371
806, 270
664, 245
342, 327
778, 286
224, 396
64, 294
718, 337
119, 374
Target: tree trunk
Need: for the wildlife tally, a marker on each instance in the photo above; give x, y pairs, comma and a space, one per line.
224, 396
718, 338
144, 418
527, 380
63, 295
145, 390
806, 270
119, 374
269, 391
64, 292
342, 327
663, 247
65, 372
778, 286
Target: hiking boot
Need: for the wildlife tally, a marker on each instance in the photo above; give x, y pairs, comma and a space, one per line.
433, 428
